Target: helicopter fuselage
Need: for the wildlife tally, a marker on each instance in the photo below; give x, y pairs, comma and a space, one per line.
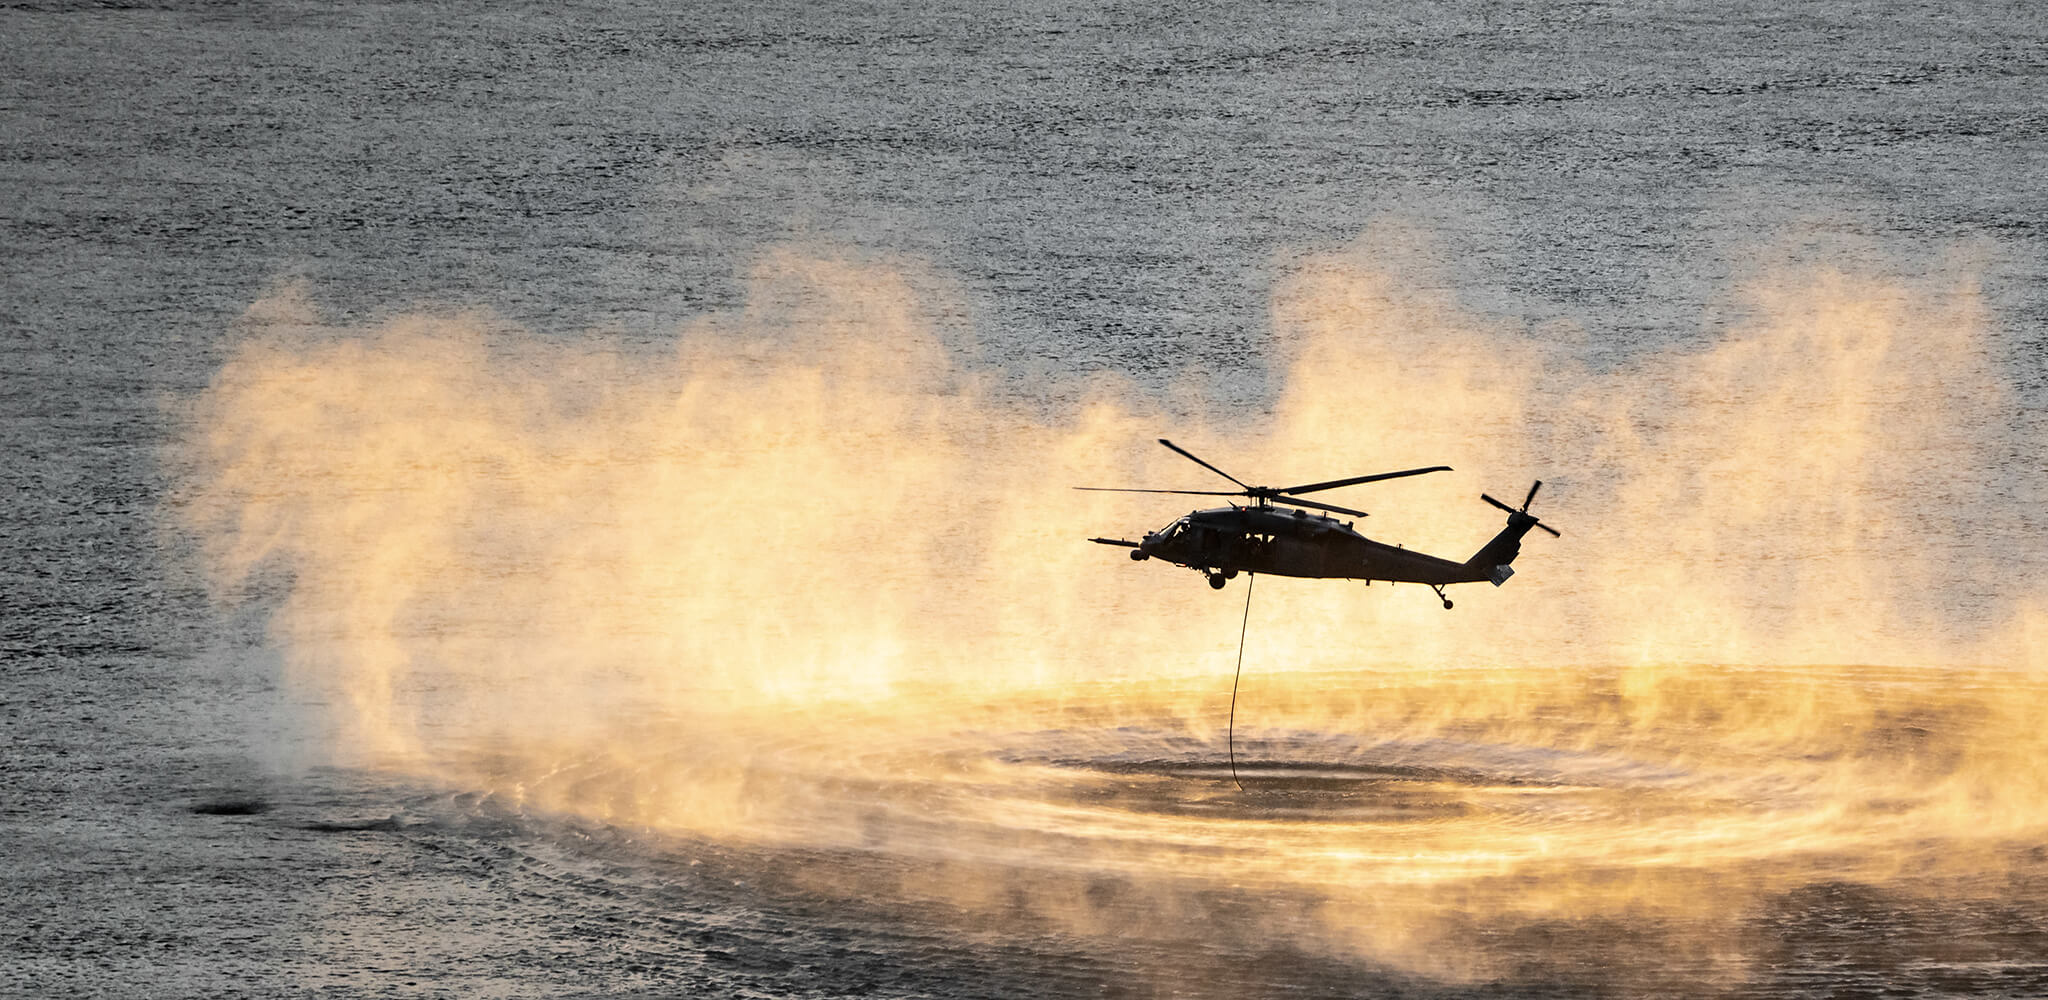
1285, 541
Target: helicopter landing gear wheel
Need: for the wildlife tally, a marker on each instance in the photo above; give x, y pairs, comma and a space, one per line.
1215, 581
1440, 595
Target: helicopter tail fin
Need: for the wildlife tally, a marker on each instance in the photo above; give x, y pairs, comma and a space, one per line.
1494, 560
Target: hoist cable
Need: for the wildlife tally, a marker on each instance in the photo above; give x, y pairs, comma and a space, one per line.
1230, 735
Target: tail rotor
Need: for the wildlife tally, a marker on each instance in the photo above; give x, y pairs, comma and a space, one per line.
1523, 511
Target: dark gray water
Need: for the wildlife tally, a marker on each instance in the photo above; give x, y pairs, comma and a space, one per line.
1066, 193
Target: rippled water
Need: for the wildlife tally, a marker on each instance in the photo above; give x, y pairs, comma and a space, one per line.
739, 640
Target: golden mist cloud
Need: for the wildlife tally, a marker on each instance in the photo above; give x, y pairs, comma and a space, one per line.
810, 580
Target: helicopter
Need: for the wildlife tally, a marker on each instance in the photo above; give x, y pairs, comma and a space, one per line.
1278, 534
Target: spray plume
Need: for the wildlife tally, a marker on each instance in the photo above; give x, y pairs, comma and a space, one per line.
810, 582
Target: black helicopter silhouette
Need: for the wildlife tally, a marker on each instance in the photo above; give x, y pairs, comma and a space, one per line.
1262, 538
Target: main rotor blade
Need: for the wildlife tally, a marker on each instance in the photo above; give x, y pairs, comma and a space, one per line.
1553, 531
1199, 493
1355, 480
1497, 503
1190, 456
1532, 494
1332, 508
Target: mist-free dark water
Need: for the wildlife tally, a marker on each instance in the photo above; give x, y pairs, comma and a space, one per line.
487, 657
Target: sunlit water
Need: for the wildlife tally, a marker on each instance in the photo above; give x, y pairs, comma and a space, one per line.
541, 501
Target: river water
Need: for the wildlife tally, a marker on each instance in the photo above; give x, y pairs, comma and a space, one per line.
562, 500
